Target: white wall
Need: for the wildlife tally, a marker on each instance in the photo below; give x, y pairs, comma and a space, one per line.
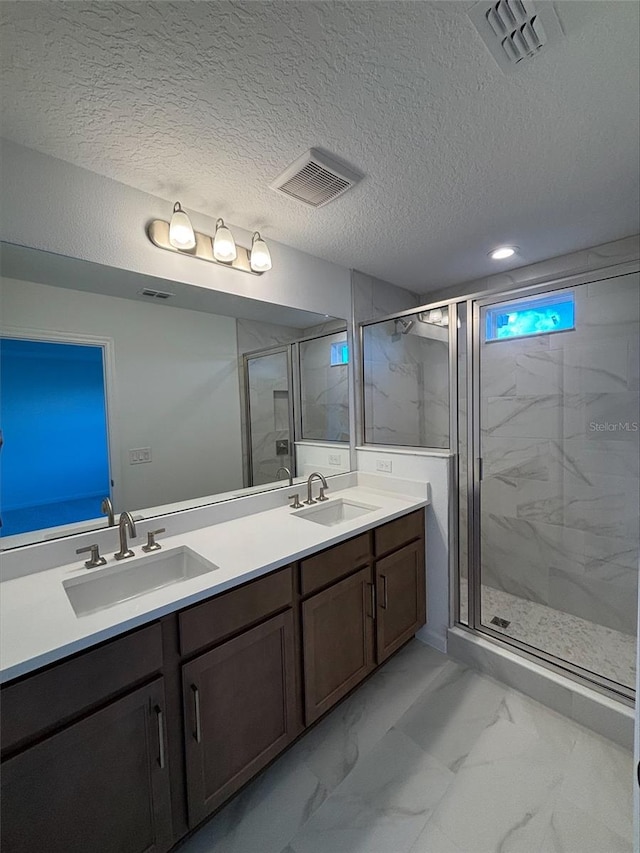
425, 468
51, 205
176, 387
327, 457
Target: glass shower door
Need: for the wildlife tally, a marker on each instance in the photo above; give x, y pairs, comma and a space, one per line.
269, 414
556, 425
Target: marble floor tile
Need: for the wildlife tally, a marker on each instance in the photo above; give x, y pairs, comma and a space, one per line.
382, 805
599, 780
434, 758
451, 714
433, 840
501, 798
265, 815
572, 830
335, 746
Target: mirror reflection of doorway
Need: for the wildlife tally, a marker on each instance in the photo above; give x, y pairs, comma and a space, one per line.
54, 461
269, 414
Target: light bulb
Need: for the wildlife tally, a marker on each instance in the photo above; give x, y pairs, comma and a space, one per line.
436, 315
224, 246
503, 252
181, 234
260, 255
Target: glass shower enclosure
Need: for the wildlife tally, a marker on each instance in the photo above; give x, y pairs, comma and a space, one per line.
554, 499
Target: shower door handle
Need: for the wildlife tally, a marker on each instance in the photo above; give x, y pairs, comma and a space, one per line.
480, 468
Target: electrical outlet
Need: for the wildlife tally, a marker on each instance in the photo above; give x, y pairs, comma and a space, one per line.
384, 465
139, 455
335, 459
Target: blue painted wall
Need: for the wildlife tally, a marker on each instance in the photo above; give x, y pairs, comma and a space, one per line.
54, 464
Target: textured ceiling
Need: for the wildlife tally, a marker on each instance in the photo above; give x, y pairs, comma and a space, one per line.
209, 101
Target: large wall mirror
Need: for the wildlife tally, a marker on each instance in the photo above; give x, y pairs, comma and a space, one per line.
155, 395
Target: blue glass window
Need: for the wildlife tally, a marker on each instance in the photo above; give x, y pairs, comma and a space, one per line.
535, 315
339, 353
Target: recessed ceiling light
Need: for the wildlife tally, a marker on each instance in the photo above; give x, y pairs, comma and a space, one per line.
502, 252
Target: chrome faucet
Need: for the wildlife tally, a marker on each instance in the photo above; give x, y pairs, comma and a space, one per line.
126, 520
106, 507
324, 487
287, 471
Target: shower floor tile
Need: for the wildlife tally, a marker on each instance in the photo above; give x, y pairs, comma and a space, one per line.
594, 647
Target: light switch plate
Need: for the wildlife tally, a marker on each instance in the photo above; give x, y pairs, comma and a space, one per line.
139, 455
335, 459
384, 465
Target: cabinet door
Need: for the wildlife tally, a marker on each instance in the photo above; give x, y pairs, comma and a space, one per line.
337, 626
100, 785
240, 711
401, 598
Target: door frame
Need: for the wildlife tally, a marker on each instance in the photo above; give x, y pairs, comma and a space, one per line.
246, 358
475, 304
110, 388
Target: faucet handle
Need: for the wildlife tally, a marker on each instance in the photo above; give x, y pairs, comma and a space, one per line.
152, 545
296, 501
95, 560
322, 496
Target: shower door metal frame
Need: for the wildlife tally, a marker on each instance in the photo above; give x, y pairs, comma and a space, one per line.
490, 295
475, 303
246, 357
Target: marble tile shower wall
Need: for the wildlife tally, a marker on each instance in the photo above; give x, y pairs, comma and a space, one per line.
406, 388
560, 437
324, 391
269, 390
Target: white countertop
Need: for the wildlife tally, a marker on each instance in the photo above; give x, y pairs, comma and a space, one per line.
38, 624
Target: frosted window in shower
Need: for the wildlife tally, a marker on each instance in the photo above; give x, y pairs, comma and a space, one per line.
406, 380
532, 316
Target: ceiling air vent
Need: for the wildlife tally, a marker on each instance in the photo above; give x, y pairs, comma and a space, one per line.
516, 30
316, 179
155, 294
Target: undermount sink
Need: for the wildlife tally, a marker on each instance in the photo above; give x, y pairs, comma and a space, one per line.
335, 511
107, 587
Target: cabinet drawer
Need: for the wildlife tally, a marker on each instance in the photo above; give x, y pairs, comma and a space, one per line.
335, 563
232, 611
49, 699
397, 533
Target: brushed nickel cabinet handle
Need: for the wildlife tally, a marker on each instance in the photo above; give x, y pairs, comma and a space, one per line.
372, 589
385, 599
196, 705
160, 720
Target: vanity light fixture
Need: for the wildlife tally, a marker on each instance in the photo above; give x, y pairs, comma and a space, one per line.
260, 255
224, 246
501, 253
181, 234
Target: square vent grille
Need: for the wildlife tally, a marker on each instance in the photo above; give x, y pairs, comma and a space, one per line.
315, 179
515, 30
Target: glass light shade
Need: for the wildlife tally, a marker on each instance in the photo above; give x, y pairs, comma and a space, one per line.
181, 234
435, 316
260, 254
224, 246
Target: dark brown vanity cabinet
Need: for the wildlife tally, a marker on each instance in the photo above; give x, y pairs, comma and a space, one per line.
400, 597
338, 641
240, 711
125, 747
363, 599
100, 784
